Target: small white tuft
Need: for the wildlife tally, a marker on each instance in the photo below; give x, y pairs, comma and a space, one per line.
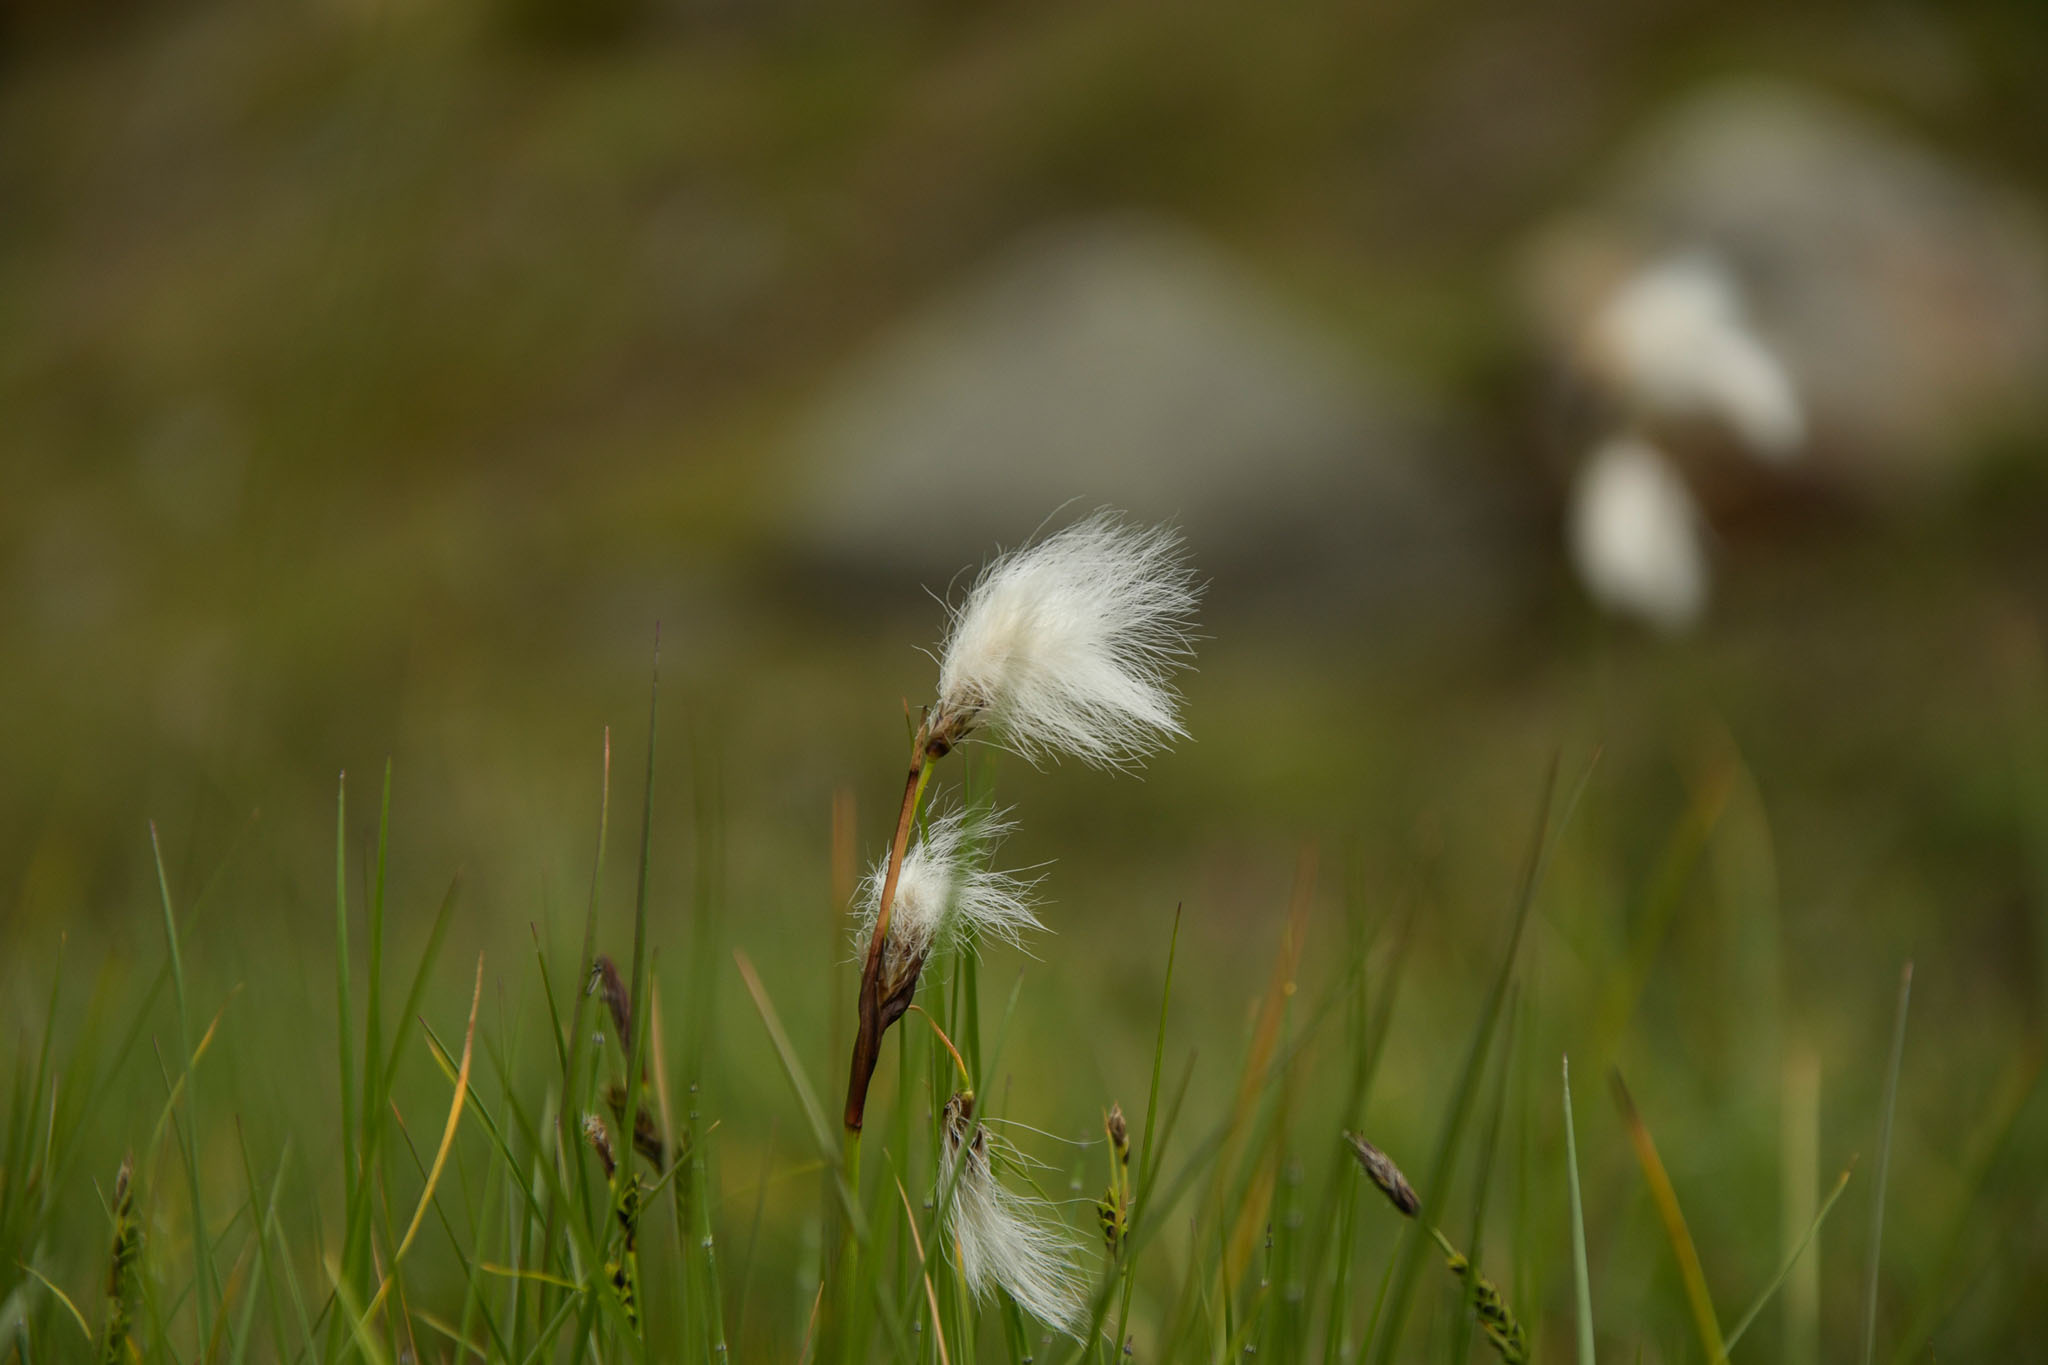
1635, 536
947, 894
1069, 646
1674, 341
1006, 1240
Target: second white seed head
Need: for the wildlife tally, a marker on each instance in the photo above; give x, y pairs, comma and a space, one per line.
947, 893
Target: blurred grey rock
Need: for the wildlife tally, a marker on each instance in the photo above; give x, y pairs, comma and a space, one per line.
1907, 296
1129, 363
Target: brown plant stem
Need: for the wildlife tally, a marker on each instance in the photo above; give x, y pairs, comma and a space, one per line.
876, 996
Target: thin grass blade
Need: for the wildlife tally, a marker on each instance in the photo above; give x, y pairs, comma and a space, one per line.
1673, 1218
1582, 1282
1785, 1271
1884, 1161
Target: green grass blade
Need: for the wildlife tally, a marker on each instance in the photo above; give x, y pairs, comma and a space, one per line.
1387, 1333
1785, 1271
1884, 1160
1992, 1137
822, 1132
374, 1084
263, 1234
26, 1117
707, 893
576, 1099
205, 1282
401, 1028
636, 1053
1582, 1283
342, 993
1196, 1163
1147, 1151
1483, 1185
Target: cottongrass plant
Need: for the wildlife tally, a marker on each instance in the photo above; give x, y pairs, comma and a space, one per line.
1065, 647
1006, 1240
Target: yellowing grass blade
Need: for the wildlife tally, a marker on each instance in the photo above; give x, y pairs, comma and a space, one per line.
62, 1298
1673, 1217
455, 1105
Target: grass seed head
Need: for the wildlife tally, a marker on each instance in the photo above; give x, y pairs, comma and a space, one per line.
1491, 1311
606, 982
121, 1259
1381, 1170
1113, 1210
646, 1135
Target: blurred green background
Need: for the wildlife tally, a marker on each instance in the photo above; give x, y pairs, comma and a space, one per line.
375, 376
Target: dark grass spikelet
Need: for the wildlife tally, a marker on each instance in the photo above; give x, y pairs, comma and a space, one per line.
606, 982
646, 1134
127, 1249
1113, 1210
622, 1271
1489, 1309
600, 1139
1381, 1170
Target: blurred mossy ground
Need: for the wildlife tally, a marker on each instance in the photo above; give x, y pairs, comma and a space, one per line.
374, 381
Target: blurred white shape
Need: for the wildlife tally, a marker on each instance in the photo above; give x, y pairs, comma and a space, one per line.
1673, 341
1903, 288
1635, 536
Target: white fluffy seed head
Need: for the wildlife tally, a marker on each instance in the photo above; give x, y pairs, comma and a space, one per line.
1674, 341
1006, 1240
1635, 536
1069, 646
947, 893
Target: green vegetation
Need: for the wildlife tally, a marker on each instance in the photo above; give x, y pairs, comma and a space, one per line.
493, 1233
454, 461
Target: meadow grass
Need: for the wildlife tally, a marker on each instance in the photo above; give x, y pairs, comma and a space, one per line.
536, 1172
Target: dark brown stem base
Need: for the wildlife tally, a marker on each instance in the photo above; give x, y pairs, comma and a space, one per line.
882, 1003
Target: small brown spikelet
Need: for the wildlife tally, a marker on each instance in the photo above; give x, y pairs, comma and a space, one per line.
646, 1137
127, 1249
600, 1139
1381, 1170
1113, 1210
1494, 1316
606, 982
